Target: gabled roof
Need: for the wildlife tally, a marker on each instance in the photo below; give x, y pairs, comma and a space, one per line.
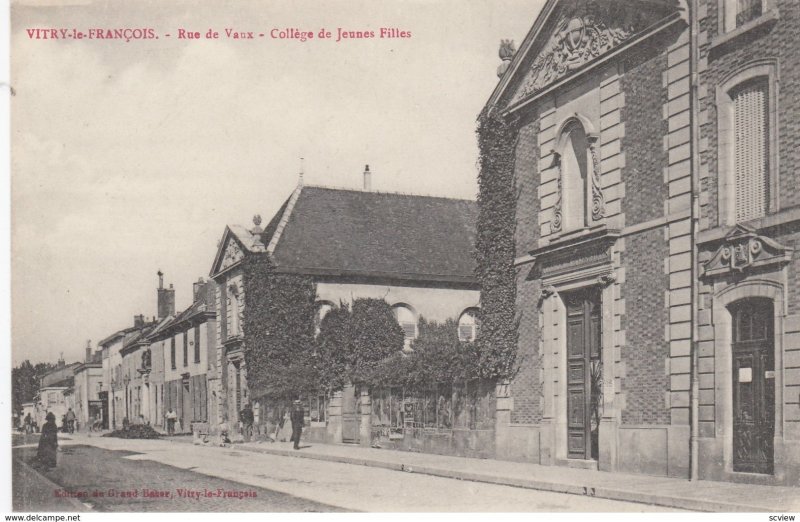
341, 232
545, 28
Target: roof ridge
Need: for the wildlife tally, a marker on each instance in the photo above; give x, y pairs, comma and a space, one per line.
276, 236
388, 193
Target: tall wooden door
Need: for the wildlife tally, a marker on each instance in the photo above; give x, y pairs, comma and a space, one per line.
583, 366
753, 386
351, 421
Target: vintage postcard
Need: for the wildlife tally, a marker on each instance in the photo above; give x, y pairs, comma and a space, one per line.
405, 256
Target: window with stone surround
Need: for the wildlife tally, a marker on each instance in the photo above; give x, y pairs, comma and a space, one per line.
579, 200
747, 166
736, 13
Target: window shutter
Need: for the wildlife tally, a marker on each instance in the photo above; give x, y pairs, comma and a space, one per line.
751, 124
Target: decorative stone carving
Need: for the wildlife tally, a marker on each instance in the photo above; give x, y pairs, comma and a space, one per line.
606, 280
558, 218
598, 203
233, 254
589, 30
507, 51
546, 292
743, 249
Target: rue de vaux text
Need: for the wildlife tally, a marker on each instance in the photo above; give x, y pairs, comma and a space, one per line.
128, 34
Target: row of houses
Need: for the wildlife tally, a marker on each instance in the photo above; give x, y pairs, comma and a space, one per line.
657, 262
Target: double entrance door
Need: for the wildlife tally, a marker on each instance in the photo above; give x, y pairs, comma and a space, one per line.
584, 373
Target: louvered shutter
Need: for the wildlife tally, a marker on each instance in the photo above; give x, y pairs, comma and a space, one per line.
751, 124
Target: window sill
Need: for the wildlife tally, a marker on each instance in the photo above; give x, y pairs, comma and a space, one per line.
781, 217
722, 40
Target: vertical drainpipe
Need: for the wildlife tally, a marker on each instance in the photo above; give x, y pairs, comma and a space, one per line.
694, 113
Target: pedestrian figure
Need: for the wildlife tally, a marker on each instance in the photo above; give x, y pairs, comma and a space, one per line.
298, 418
70, 417
48, 443
171, 418
28, 424
246, 417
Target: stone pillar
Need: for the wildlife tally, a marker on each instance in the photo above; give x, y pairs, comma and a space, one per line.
365, 425
505, 403
335, 418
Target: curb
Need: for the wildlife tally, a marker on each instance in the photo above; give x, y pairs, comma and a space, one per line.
623, 495
76, 504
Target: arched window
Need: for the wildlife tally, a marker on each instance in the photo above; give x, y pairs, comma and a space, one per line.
407, 319
747, 173
323, 307
468, 325
751, 148
574, 176
579, 200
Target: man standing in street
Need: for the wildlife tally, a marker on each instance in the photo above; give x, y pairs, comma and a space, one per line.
70, 418
298, 418
246, 416
171, 418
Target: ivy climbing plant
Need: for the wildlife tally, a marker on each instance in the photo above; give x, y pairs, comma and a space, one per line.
495, 245
279, 331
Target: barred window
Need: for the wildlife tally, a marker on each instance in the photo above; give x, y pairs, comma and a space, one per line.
751, 149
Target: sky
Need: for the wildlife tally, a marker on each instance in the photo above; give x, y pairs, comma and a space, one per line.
131, 157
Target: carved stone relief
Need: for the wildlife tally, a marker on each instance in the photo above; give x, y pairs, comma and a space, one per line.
583, 33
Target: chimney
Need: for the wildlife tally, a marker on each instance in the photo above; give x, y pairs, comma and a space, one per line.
199, 291
367, 179
138, 321
166, 298
88, 351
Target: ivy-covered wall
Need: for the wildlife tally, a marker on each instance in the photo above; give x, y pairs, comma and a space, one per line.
495, 246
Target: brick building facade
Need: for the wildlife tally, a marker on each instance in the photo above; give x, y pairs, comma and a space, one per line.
651, 209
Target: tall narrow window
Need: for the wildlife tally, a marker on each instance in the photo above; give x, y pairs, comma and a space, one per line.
751, 149
172, 352
186, 348
197, 344
574, 176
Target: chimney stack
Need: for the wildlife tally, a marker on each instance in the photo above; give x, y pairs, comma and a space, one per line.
138, 321
88, 351
367, 179
166, 298
199, 290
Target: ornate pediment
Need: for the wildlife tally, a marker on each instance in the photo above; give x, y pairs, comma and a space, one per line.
584, 31
743, 249
232, 255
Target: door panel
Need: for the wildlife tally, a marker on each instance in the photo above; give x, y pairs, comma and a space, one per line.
753, 388
350, 417
583, 347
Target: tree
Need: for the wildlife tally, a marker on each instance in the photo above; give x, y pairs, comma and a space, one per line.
25, 382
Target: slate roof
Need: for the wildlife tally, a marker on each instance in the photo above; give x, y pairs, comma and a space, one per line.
344, 232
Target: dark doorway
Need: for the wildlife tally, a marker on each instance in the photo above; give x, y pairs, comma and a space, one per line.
351, 421
104, 408
584, 373
753, 386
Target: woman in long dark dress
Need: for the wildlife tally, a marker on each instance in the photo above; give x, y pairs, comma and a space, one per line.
48, 442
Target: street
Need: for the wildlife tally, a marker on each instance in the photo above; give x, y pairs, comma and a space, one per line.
182, 477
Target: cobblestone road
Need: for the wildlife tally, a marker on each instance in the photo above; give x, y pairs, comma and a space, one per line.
88, 469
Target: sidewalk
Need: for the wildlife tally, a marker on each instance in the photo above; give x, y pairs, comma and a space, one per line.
668, 492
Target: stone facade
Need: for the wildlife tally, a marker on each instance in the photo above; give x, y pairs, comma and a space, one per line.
761, 48
633, 103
